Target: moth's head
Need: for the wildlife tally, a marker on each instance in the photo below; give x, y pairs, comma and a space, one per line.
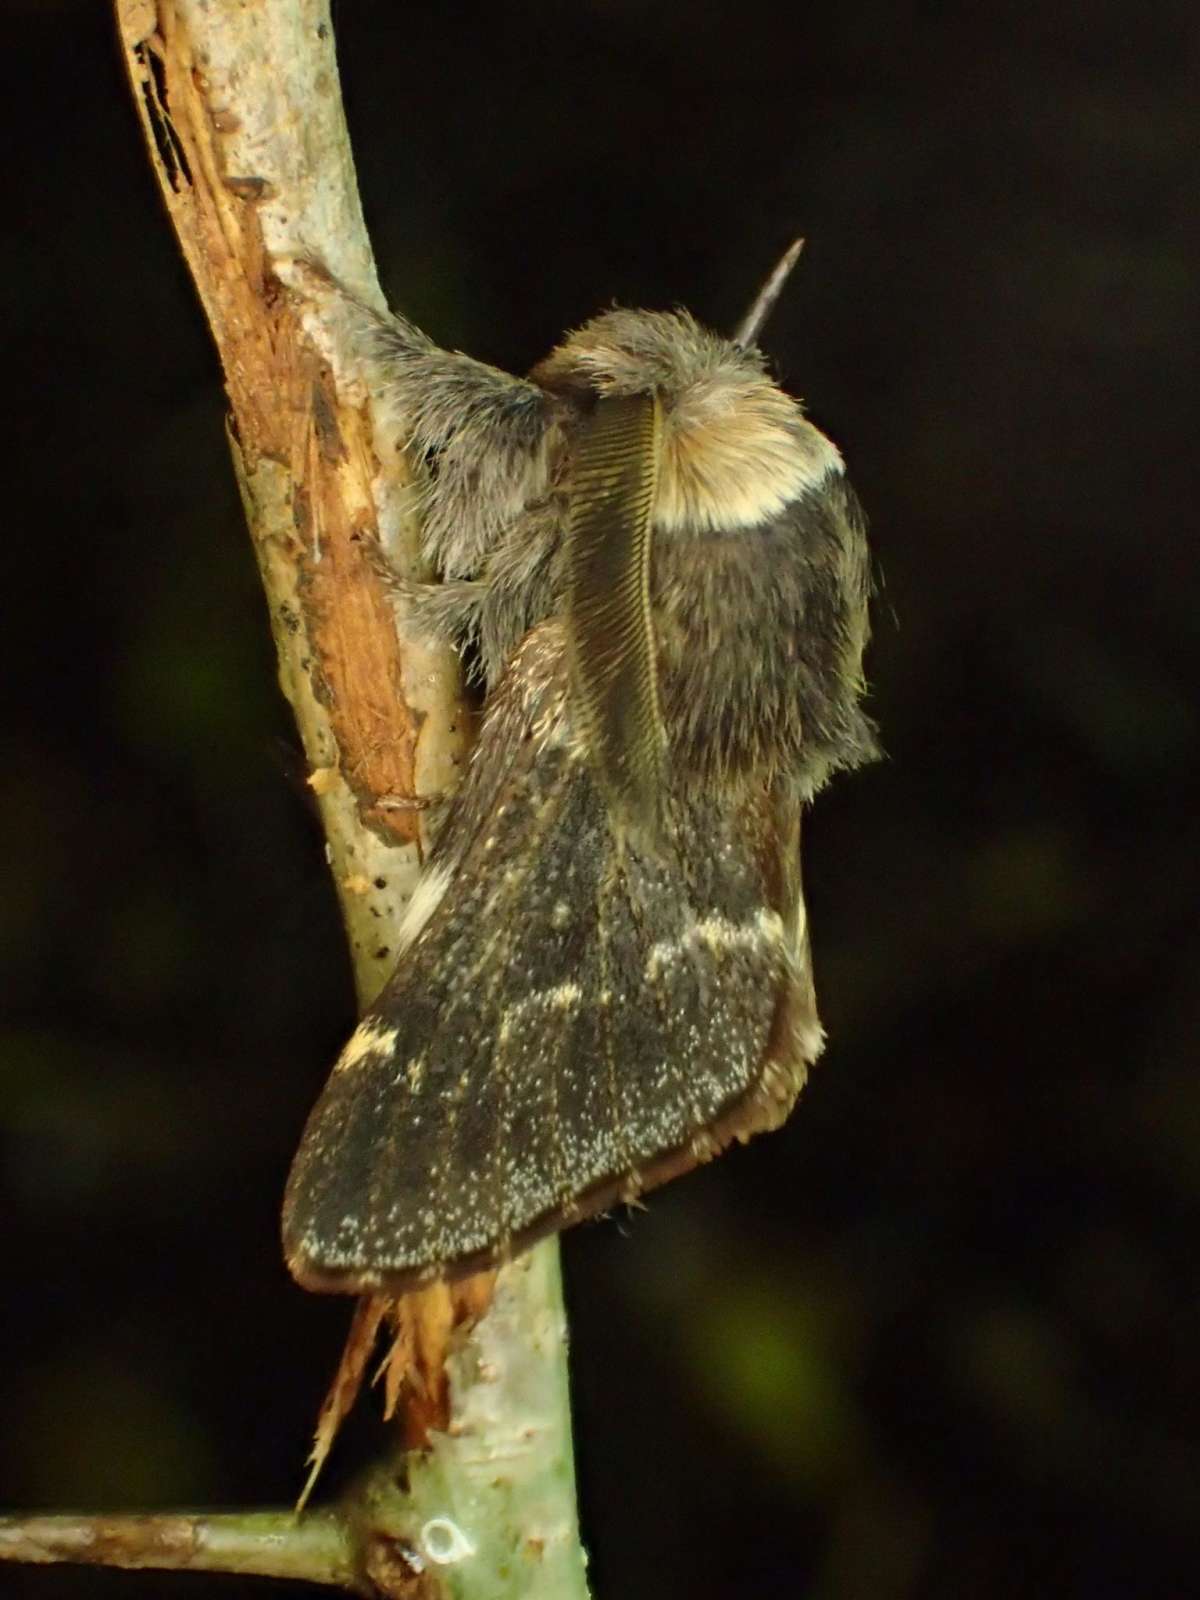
736, 449
624, 352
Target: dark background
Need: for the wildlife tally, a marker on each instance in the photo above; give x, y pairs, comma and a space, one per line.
936, 1338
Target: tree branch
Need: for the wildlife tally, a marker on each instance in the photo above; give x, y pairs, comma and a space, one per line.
265, 1544
244, 124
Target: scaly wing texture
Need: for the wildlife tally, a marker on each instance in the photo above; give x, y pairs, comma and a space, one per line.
573, 1023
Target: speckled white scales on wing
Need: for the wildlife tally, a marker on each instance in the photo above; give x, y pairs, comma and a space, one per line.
604, 974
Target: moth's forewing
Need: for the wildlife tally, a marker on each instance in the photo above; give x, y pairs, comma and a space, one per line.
576, 1022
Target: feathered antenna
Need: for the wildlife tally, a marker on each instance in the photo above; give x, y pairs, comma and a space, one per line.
763, 303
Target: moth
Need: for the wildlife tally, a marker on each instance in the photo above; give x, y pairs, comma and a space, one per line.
604, 976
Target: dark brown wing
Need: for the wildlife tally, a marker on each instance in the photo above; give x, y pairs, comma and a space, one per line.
575, 1022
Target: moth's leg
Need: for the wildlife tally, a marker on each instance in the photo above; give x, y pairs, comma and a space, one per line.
522, 583
435, 394
445, 612
483, 434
